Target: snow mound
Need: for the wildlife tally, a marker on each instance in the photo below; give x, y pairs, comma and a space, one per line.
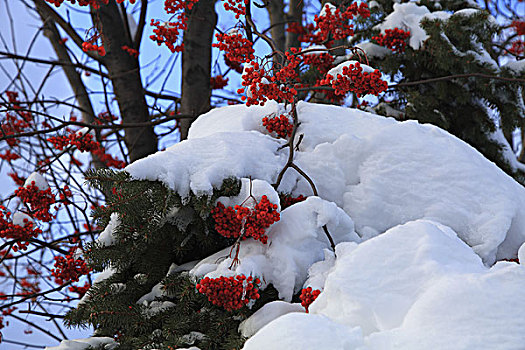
305, 332
415, 286
39, 180
381, 172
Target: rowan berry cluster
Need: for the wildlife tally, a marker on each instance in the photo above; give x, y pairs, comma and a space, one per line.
168, 33
236, 6
355, 80
333, 24
236, 66
288, 200
235, 46
69, 268
308, 296
132, 52
39, 201
231, 293
218, 82
94, 3
108, 159
9, 156
395, 39
80, 290
519, 26
517, 48
83, 142
260, 86
28, 288
17, 121
20, 234
280, 125
89, 46
245, 222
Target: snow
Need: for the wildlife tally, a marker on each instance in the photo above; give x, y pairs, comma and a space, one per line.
19, 217
198, 165
515, 66
306, 332
339, 68
106, 237
265, 315
39, 180
415, 286
374, 50
82, 344
315, 50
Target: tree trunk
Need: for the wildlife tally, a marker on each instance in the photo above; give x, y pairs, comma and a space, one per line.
196, 62
277, 21
125, 77
295, 14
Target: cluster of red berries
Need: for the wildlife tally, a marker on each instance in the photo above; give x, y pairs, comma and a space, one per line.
288, 200
236, 6
519, 26
69, 268
130, 51
9, 156
308, 296
231, 293
218, 82
28, 288
517, 48
105, 118
236, 48
395, 39
39, 201
236, 66
88, 46
19, 181
108, 159
334, 24
168, 33
80, 290
16, 121
65, 195
94, 3
245, 222
280, 125
260, 86
83, 142
20, 234
355, 80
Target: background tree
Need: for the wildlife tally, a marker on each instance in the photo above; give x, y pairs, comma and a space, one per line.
442, 82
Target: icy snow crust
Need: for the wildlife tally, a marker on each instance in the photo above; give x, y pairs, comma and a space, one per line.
418, 217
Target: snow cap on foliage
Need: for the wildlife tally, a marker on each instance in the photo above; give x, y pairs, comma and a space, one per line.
107, 237
21, 219
265, 315
407, 16
39, 180
82, 344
